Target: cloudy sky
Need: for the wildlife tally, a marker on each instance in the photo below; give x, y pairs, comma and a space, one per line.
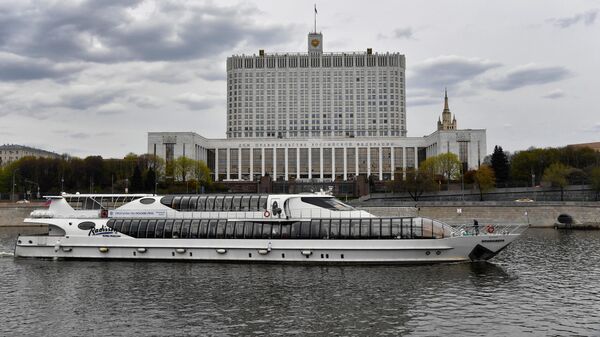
93, 77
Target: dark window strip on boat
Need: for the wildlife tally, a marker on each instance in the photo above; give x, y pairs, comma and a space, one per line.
216, 203
327, 229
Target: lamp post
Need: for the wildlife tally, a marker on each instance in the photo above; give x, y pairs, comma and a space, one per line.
12, 197
62, 184
126, 185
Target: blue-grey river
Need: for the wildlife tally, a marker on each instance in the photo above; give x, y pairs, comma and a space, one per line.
545, 284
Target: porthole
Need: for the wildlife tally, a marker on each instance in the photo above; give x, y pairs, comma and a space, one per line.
172, 253
30, 242
322, 255
342, 256
134, 254
147, 201
86, 225
190, 253
249, 254
438, 252
427, 252
326, 256
19, 241
283, 255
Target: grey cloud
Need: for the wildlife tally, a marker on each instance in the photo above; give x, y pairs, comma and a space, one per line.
197, 102
448, 71
89, 97
79, 135
403, 33
132, 30
595, 129
588, 18
417, 101
554, 94
398, 33
17, 68
530, 74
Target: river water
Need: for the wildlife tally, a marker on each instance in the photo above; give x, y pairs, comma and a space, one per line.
545, 284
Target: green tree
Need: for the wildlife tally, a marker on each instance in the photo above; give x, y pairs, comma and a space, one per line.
595, 181
183, 168
416, 183
445, 166
556, 174
202, 172
137, 184
500, 165
485, 179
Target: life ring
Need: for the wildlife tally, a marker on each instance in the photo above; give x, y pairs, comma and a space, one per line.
267, 214
490, 229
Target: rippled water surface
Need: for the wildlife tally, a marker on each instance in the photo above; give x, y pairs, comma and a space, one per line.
544, 284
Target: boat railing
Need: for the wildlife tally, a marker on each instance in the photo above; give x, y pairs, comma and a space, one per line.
489, 229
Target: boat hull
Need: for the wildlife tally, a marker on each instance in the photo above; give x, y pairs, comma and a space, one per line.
399, 251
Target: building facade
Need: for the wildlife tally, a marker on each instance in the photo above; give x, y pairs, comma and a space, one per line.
318, 116
316, 94
10, 153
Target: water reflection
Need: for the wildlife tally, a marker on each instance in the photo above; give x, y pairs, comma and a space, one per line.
542, 284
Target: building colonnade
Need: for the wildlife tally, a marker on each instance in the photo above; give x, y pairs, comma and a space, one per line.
285, 163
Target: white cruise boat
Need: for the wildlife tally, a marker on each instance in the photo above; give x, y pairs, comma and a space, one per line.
308, 228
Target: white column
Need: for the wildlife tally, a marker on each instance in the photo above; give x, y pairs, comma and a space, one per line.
297, 163
251, 164
345, 164
416, 159
309, 163
262, 162
228, 171
368, 161
321, 162
404, 163
285, 173
333, 163
274, 163
240, 163
356, 159
380, 164
216, 164
392, 162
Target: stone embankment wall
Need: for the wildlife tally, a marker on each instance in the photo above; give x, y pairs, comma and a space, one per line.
535, 215
13, 214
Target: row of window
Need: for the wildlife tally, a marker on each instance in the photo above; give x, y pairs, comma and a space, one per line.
219, 203
344, 229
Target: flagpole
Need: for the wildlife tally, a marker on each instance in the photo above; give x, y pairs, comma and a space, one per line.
315, 18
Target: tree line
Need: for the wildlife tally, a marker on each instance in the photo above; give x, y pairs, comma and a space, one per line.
132, 174
556, 167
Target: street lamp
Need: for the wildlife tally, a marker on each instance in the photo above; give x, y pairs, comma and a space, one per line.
13, 185
62, 184
126, 185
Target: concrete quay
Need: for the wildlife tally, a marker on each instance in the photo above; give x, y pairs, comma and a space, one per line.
12, 215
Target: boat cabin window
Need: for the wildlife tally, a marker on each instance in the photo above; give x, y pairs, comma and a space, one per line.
262, 202
147, 201
185, 203
334, 229
327, 203
86, 225
236, 204
176, 203
227, 204
210, 203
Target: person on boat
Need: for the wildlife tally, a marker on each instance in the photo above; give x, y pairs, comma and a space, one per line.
476, 226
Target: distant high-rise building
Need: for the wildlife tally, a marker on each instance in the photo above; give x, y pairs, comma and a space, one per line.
316, 94
448, 122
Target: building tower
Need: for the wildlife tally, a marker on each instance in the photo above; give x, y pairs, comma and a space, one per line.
448, 122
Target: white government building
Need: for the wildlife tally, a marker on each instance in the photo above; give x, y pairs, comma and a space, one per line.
315, 115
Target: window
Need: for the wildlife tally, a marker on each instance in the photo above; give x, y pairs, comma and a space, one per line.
177, 229
334, 232
150, 229
286, 229
177, 203
236, 204
219, 203
185, 229
385, 228
227, 204
245, 204
229, 229
185, 204
193, 204
262, 203
355, 229
169, 229
315, 229
239, 230
345, 229
266, 230
210, 203
327, 203
201, 203
133, 230
88, 225
125, 228
305, 230
147, 201
248, 228
324, 230
160, 229
194, 229
396, 228
212, 229
375, 227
